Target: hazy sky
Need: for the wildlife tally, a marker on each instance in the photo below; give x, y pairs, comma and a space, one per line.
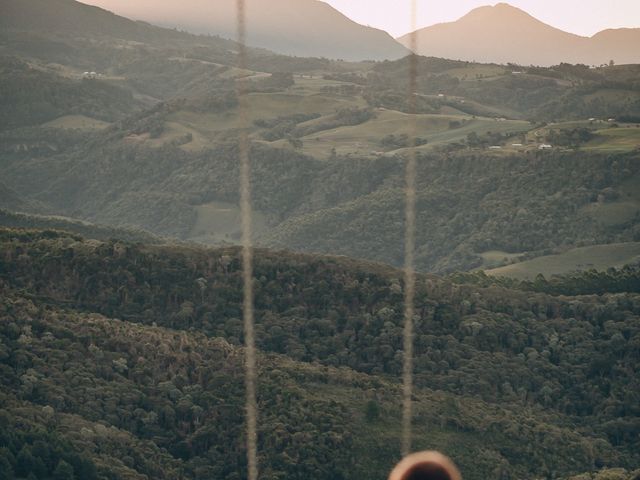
584, 17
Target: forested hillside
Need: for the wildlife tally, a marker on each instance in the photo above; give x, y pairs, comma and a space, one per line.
468, 203
31, 96
87, 230
561, 92
534, 384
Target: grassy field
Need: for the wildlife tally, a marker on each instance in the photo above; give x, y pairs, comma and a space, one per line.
78, 122
219, 222
599, 257
477, 71
616, 140
496, 258
207, 127
307, 96
309, 85
234, 72
364, 139
479, 109
361, 140
204, 130
625, 138
271, 105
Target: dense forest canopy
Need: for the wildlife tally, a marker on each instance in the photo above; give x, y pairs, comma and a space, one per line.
567, 361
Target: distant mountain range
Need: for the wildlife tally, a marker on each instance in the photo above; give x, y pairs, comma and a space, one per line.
306, 28
503, 34
312, 28
70, 17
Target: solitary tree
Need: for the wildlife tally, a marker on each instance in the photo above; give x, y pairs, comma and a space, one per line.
63, 471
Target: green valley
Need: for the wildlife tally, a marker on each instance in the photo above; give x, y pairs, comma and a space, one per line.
329, 140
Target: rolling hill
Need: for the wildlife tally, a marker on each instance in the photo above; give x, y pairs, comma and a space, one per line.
33, 96
328, 157
65, 16
67, 38
308, 28
114, 354
87, 230
506, 34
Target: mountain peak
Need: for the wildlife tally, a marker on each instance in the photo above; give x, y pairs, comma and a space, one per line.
506, 6
502, 33
501, 6
499, 11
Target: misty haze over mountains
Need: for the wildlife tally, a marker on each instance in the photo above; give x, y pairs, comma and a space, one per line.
499, 34
503, 34
306, 28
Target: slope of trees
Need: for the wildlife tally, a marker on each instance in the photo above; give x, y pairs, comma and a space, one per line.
30, 96
516, 384
574, 358
561, 92
87, 230
468, 202
592, 282
146, 402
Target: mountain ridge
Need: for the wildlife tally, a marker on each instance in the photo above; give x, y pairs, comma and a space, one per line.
507, 34
308, 28
78, 16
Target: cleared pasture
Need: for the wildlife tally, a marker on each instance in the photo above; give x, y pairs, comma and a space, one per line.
598, 257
